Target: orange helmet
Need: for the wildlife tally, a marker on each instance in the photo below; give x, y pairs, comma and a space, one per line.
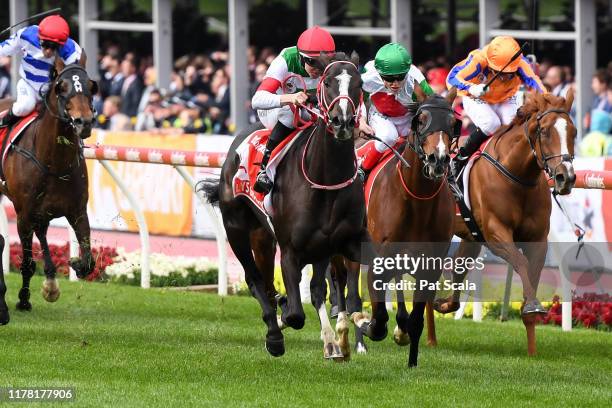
500, 51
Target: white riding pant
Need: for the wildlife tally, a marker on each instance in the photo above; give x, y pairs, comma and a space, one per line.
388, 128
489, 117
26, 99
284, 114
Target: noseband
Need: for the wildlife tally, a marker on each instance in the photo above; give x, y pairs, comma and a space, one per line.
542, 161
325, 107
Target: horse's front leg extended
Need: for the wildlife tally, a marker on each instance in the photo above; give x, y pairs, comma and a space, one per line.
28, 266
84, 265
50, 288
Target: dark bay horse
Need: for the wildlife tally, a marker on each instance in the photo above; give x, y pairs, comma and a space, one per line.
409, 205
46, 177
318, 208
541, 137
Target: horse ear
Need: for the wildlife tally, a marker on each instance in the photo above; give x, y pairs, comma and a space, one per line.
83, 59
569, 99
452, 94
420, 94
355, 58
59, 64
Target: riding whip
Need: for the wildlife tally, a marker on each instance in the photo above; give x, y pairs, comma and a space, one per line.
523, 48
35, 16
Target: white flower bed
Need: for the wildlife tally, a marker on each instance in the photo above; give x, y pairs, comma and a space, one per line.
125, 264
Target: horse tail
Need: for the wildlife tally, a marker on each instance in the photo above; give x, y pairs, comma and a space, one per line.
210, 188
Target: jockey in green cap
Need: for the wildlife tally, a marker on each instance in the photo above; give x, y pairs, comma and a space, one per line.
390, 80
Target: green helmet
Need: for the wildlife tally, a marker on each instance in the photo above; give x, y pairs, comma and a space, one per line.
392, 59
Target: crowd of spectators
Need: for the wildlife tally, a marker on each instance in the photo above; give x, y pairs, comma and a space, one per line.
198, 98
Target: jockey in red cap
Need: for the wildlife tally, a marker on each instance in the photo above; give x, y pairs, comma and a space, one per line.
38, 45
273, 107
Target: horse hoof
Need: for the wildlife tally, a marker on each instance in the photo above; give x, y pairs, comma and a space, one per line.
375, 332
296, 321
333, 313
412, 364
276, 348
445, 306
24, 306
533, 306
4, 317
400, 338
332, 352
50, 292
361, 348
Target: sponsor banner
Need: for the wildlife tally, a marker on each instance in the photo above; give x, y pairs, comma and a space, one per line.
591, 209
163, 195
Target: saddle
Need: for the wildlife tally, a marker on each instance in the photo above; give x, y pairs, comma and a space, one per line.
9, 135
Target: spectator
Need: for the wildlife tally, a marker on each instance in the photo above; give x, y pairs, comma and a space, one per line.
111, 76
131, 89
600, 101
150, 78
555, 81
112, 119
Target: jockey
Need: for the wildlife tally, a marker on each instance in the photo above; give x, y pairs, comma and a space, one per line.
489, 109
389, 80
38, 45
274, 108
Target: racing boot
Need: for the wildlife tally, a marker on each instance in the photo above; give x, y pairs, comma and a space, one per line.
263, 184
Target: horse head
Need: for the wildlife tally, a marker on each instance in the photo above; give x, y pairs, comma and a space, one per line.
433, 128
70, 96
551, 133
339, 94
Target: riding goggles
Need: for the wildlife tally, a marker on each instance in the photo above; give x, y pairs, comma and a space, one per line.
49, 44
393, 78
313, 62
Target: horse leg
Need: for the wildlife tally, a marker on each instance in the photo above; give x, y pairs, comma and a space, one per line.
4, 312
318, 290
338, 276
536, 254
415, 329
400, 335
263, 245
432, 341
50, 289
84, 265
353, 301
451, 303
292, 311
28, 266
240, 243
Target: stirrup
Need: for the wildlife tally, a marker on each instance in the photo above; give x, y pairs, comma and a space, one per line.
263, 184
362, 174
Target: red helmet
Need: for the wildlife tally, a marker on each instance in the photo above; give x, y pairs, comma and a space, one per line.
54, 28
314, 41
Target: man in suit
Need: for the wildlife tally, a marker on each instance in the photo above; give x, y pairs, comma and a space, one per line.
131, 90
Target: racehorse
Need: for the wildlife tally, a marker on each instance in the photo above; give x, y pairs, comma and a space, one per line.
409, 205
46, 177
318, 209
541, 137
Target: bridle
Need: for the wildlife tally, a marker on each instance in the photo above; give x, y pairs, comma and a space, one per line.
78, 84
542, 161
325, 107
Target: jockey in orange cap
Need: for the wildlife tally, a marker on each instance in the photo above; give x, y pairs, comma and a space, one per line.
273, 107
38, 46
497, 105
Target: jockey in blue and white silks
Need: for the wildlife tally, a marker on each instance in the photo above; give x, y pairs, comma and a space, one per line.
38, 46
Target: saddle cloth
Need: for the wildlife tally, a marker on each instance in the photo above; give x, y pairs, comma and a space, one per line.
251, 152
10, 134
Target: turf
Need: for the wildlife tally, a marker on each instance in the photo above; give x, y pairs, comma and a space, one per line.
124, 346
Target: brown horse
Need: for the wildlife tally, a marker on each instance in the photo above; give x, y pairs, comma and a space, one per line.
541, 137
408, 205
46, 177
318, 209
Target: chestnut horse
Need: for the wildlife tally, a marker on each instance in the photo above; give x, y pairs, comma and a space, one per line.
318, 209
408, 205
541, 137
46, 177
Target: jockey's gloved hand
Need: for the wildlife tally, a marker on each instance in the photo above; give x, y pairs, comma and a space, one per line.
477, 90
